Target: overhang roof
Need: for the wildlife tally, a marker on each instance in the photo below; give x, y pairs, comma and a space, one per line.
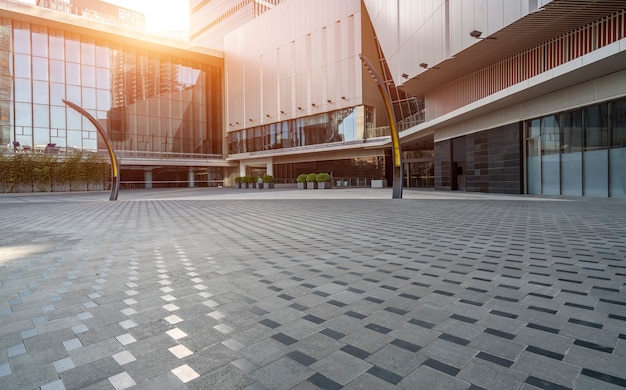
554, 19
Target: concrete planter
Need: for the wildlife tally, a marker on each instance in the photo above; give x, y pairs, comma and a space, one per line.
311, 185
324, 185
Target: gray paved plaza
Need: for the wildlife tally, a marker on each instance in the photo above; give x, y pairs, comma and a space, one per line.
286, 289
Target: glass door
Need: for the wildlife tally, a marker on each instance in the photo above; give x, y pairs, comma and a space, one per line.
533, 165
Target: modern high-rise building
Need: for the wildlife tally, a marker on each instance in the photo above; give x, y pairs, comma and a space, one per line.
508, 96
211, 20
512, 96
160, 100
100, 11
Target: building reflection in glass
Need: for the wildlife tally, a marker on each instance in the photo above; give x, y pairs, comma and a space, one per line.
149, 102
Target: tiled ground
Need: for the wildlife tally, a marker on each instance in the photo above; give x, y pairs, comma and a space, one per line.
187, 290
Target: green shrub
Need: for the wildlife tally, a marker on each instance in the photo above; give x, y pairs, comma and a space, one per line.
301, 178
311, 177
323, 177
239, 179
268, 179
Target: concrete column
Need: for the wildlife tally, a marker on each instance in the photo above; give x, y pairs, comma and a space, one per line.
270, 167
191, 177
147, 178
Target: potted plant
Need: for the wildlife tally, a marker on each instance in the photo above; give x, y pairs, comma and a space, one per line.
252, 180
301, 180
323, 181
269, 180
238, 181
245, 180
311, 181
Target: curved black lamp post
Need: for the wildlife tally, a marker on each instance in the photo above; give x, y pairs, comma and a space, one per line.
115, 182
395, 139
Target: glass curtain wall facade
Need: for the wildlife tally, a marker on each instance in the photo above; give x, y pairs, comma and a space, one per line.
345, 125
150, 103
580, 152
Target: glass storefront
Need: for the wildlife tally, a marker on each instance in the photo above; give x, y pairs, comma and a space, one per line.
149, 102
343, 125
580, 152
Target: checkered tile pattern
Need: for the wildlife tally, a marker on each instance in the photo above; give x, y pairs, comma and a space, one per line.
196, 292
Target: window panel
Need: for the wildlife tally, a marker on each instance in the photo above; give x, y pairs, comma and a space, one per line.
40, 92
40, 41
57, 46
57, 71
618, 149
40, 68
57, 118
23, 114
41, 115
21, 39
23, 91
103, 78
21, 65
57, 94
88, 75
41, 136
72, 73
74, 95
72, 51
89, 98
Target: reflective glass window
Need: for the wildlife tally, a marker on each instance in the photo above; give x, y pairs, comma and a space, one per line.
102, 57
23, 114
72, 73
74, 139
57, 71
73, 119
88, 53
550, 144
618, 149
57, 45
21, 65
103, 99
40, 92
41, 115
21, 38
23, 91
595, 157
40, 41
89, 98
57, 93
40, 68
74, 94
57, 117
41, 136
103, 78
597, 127
72, 51
88, 76
571, 153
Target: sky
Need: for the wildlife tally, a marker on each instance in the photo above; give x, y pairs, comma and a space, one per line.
161, 15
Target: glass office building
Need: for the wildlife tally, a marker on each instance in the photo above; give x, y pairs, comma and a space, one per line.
152, 104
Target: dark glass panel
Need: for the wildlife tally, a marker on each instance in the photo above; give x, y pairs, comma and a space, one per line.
597, 127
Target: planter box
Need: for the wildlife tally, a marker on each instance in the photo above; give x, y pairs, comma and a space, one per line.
301, 186
379, 183
269, 185
311, 185
324, 185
